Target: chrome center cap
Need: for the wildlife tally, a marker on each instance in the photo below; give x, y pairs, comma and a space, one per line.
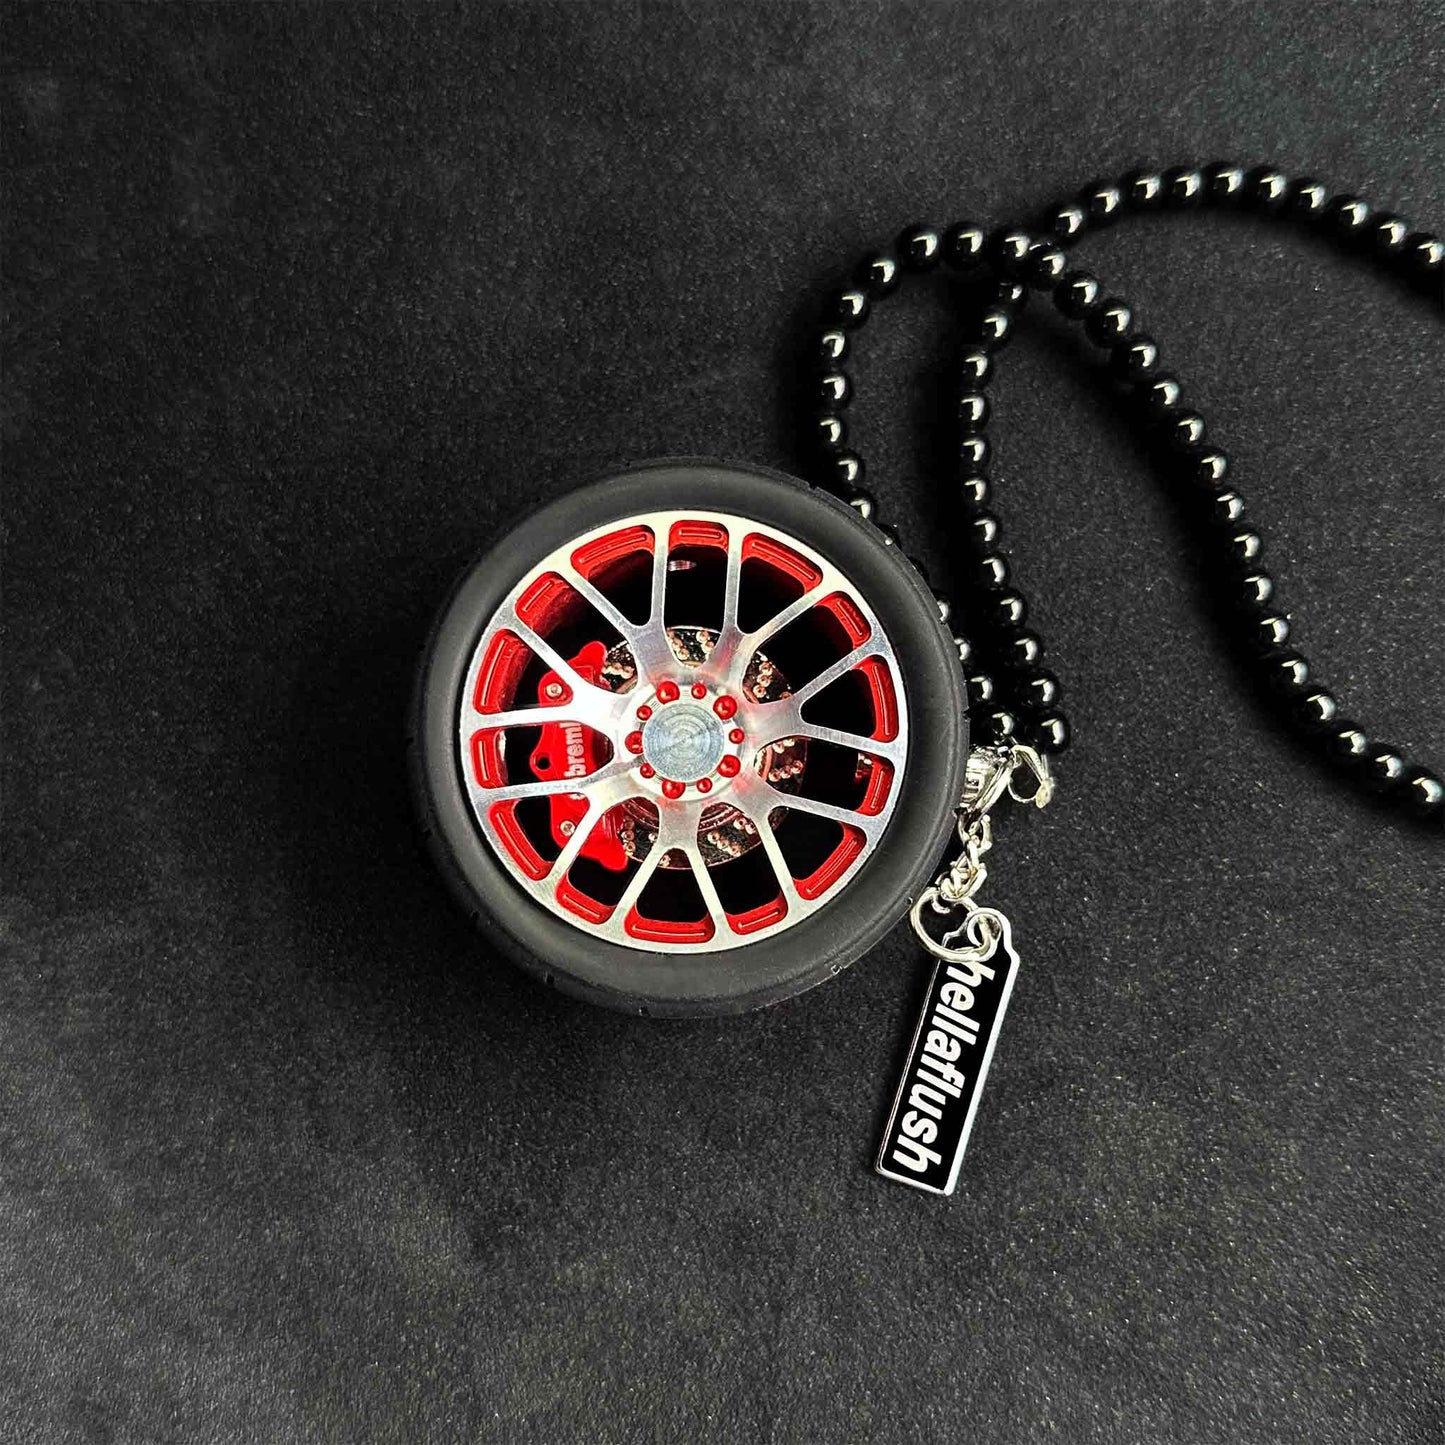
683, 741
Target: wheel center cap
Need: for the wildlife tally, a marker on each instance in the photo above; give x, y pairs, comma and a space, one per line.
683, 741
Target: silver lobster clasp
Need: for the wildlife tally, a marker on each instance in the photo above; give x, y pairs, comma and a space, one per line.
991, 772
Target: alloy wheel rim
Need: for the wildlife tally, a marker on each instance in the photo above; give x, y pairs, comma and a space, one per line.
613, 747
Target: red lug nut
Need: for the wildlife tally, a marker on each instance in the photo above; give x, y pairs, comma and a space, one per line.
633, 742
667, 692
644, 712
704, 785
725, 707
647, 770
672, 788
736, 735
698, 690
729, 767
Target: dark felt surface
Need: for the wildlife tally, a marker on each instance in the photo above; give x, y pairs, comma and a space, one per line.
301, 305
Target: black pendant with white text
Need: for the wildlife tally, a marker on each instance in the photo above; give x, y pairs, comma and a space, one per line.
947, 1064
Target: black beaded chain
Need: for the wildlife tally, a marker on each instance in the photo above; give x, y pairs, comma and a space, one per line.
1024, 701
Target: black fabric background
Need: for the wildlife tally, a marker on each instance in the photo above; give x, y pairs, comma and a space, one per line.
302, 305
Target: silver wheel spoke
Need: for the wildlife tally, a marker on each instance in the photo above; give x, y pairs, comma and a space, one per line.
732, 583
651, 650
726, 663
638, 882
754, 799
706, 887
596, 807
529, 717
660, 553
867, 824
672, 832
593, 705
832, 673
781, 871
775, 624
611, 613
546, 787
788, 722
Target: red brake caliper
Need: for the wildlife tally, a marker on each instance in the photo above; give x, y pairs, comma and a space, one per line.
569, 750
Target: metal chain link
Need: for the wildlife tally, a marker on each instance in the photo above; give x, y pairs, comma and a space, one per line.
992, 772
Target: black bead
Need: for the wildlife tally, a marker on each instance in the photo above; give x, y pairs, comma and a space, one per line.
1286, 674
1183, 186
1006, 250
1007, 611
999, 725
833, 389
993, 328
1161, 394
1039, 691
831, 432
1244, 548
865, 504
964, 648
983, 532
963, 245
973, 452
833, 347
1255, 590
1044, 265
1345, 743
1305, 198
974, 491
1109, 322
1226, 509
1184, 430
1346, 216
1315, 709
888, 535
1066, 221
975, 368
921, 248
849, 308
973, 411
1008, 294
1223, 183
1265, 187
980, 690
847, 472
1205, 467
1423, 793
1386, 234
1077, 294
1143, 190
1424, 255
1047, 734
1102, 202
1383, 768
1022, 652
989, 572
1267, 633
878, 275
1135, 357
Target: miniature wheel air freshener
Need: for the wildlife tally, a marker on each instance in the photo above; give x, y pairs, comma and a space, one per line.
694, 738
690, 740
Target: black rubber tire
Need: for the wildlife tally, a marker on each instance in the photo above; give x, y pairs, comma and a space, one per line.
729, 981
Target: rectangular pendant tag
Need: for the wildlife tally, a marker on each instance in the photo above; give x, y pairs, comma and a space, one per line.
947, 1064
